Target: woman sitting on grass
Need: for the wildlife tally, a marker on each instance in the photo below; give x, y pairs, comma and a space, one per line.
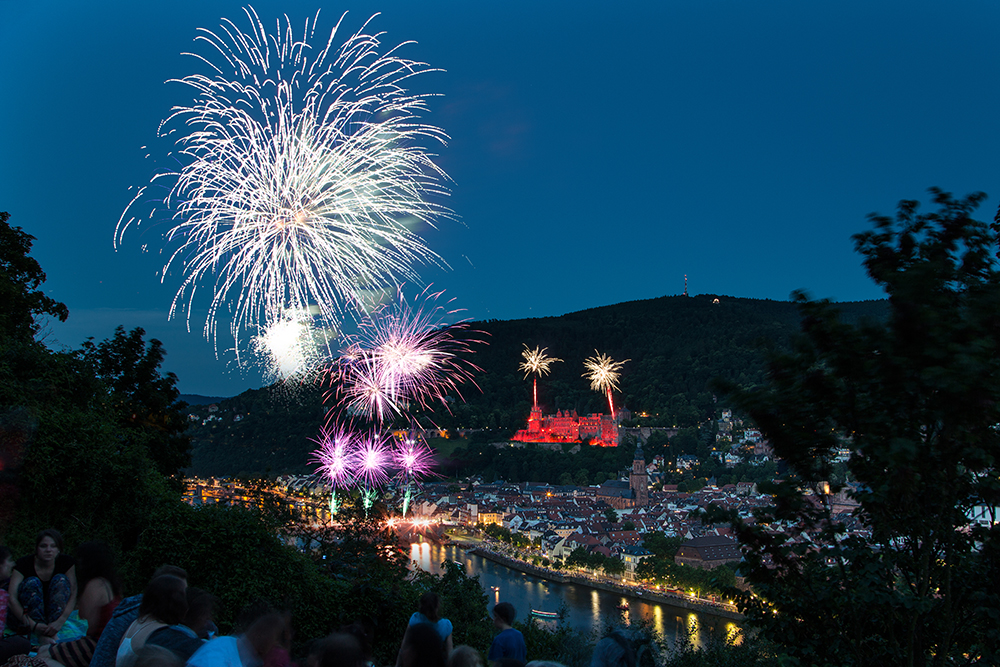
13, 644
43, 587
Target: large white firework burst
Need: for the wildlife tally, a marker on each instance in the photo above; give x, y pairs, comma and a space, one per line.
304, 175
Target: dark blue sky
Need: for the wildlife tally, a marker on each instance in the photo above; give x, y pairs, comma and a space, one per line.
599, 152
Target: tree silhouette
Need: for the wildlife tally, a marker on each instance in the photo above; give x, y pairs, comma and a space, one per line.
909, 578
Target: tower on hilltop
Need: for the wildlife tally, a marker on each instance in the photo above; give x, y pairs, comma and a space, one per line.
685, 284
639, 479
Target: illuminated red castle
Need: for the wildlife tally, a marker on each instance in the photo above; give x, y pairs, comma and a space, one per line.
569, 427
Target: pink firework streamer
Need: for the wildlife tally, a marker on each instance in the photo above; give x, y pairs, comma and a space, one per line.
407, 355
336, 457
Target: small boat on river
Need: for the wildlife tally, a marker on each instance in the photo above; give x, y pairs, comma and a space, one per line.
544, 614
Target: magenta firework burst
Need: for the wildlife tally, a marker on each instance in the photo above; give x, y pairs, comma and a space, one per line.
336, 456
413, 458
364, 387
373, 456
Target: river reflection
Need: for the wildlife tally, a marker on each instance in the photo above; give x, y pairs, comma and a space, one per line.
588, 609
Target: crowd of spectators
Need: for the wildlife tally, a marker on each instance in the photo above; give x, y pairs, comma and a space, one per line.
62, 611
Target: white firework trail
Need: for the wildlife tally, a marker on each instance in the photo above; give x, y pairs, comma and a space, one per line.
303, 175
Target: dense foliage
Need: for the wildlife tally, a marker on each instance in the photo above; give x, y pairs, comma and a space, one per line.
533, 463
143, 400
69, 455
274, 432
20, 279
592, 560
505, 535
916, 399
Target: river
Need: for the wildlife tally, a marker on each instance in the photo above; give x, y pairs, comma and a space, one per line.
587, 608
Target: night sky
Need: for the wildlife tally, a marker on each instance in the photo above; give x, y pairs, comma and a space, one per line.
599, 152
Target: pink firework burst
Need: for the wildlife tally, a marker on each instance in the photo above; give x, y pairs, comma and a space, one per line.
413, 458
373, 457
411, 355
336, 456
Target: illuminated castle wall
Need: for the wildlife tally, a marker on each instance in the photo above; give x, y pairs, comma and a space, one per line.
569, 427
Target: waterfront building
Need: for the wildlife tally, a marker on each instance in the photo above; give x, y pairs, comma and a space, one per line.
633, 555
708, 552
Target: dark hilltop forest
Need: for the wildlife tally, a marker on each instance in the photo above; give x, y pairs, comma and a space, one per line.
675, 345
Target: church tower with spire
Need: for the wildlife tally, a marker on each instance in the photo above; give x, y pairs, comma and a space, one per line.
639, 479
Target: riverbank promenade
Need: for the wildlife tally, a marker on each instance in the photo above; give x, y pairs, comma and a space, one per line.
611, 585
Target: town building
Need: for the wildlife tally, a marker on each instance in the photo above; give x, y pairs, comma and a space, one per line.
639, 479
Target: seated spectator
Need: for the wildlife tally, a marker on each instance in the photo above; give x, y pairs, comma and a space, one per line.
187, 637
422, 647
509, 643
364, 631
338, 650
246, 650
6, 568
430, 608
465, 656
278, 655
163, 603
100, 594
125, 613
43, 588
10, 644
615, 650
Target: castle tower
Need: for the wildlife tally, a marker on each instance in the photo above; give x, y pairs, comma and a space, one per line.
638, 481
535, 420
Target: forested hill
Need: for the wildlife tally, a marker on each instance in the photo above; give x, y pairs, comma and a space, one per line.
675, 345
